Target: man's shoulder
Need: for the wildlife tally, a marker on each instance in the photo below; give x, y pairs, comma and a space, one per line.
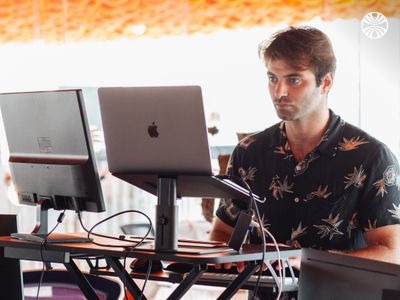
355, 133
265, 138
259, 141
372, 148
270, 134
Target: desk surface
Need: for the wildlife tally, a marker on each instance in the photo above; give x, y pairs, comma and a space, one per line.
65, 253
249, 253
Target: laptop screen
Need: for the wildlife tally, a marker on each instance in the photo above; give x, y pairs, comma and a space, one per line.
155, 130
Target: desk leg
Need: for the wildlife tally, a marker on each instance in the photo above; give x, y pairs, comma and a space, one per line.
241, 279
125, 277
187, 282
81, 280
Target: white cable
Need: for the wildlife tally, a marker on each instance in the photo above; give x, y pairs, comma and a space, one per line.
280, 286
263, 231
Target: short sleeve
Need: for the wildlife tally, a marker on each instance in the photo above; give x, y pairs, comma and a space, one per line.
380, 202
229, 209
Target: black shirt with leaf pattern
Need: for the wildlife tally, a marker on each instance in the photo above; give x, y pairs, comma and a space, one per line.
347, 185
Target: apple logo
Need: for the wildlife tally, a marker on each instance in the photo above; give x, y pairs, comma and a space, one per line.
152, 130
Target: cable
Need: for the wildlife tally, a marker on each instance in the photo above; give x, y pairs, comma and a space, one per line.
263, 241
42, 243
280, 286
129, 248
124, 281
90, 231
146, 279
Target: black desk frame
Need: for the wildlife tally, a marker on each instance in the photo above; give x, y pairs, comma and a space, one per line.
66, 253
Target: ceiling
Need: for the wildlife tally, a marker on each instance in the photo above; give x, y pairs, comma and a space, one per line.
77, 20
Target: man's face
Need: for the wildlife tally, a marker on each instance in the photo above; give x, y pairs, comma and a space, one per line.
294, 93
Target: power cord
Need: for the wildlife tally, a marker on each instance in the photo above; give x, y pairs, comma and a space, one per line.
121, 238
146, 279
263, 239
280, 285
60, 219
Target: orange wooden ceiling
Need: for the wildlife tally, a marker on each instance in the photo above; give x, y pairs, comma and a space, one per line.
76, 20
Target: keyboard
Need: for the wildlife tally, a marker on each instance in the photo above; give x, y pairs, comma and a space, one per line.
265, 280
224, 279
54, 238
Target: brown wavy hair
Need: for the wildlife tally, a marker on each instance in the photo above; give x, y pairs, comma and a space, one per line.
301, 48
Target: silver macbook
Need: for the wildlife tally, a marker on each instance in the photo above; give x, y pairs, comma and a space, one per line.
155, 130
161, 131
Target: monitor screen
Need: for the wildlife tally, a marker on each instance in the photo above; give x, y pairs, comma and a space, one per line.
51, 156
332, 276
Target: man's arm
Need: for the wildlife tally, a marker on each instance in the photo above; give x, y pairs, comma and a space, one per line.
220, 231
383, 244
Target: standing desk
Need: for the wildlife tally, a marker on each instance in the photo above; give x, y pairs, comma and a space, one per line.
67, 253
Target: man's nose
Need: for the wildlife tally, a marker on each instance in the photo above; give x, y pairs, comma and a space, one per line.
280, 90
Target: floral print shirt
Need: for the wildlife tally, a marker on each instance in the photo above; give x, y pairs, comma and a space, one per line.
347, 185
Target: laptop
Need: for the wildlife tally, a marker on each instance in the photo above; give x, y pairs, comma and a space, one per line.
161, 131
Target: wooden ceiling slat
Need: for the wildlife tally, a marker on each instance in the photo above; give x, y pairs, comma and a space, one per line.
75, 20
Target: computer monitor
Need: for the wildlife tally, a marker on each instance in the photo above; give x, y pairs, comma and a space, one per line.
332, 276
51, 156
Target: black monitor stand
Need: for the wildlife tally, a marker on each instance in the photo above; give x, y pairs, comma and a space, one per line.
41, 230
166, 237
41, 227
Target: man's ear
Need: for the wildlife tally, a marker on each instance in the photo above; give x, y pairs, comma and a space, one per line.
327, 83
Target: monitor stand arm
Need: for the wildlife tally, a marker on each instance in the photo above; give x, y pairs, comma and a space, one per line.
41, 227
166, 238
42, 220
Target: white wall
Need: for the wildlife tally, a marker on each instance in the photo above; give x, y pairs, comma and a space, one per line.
366, 91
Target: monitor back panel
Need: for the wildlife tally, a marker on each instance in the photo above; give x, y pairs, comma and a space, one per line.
330, 276
155, 130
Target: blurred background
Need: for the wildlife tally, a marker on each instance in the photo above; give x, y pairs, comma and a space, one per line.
47, 45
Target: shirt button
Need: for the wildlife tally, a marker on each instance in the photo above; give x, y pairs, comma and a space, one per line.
298, 168
296, 199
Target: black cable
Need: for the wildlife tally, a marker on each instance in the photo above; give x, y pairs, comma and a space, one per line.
250, 212
146, 279
264, 244
263, 240
42, 243
124, 281
137, 244
129, 248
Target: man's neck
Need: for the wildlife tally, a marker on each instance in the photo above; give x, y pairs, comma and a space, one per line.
305, 134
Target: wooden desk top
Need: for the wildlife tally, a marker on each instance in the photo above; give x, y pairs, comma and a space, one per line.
185, 254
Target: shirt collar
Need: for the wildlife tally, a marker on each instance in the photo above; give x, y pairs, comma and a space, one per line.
329, 142
332, 135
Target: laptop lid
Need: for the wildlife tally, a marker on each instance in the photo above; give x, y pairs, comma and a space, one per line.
155, 130
160, 131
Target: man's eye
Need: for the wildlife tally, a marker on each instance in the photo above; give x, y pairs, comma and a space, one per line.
294, 81
272, 79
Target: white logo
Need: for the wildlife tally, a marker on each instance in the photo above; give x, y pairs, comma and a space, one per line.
374, 25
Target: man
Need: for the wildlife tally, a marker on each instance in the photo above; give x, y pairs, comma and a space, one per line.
327, 184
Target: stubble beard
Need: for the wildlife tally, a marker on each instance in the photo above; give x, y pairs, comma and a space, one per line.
288, 114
